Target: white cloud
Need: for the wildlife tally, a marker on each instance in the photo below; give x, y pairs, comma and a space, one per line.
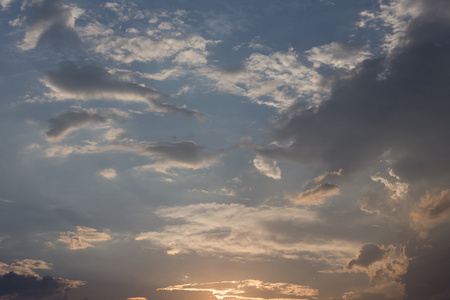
398, 190
278, 80
127, 50
267, 167
235, 231
83, 238
394, 17
108, 173
344, 55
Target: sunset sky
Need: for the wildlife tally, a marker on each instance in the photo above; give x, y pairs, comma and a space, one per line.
234, 149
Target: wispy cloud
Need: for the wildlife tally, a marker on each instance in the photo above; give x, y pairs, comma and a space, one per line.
250, 289
235, 231
83, 238
316, 195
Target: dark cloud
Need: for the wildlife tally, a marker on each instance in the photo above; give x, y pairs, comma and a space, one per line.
21, 287
368, 254
49, 21
87, 82
397, 104
428, 272
70, 121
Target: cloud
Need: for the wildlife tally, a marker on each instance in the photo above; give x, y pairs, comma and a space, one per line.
86, 82
398, 189
24, 267
385, 291
431, 211
137, 298
428, 272
165, 155
393, 19
83, 238
317, 195
267, 167
328, 175
5, 4
19, 281
367, 255
344, 55
277, 80
184, 155
385, 266
234, 231
108, 173
14, 286
248, 289
382, 264
392, 105
47, 19
70, 121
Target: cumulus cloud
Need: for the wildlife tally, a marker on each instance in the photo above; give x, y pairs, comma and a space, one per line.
317, 195
47, 19
248, 289
87, 82
267, 167
19, 281
367, 255
83, 238
69, 121
344, 55
234, 231
383, 264
367, 115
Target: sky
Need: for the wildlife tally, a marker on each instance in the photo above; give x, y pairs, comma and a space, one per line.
224, 150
